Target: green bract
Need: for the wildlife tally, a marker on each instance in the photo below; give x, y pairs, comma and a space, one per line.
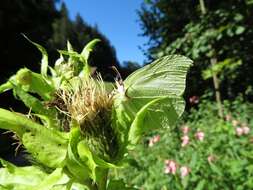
80, 126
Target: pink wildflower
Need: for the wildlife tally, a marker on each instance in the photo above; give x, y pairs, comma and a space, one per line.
170, 167
154, 140
200, 135
246, 130
185, 140
239, 131
185, 129
184, 170
194, 100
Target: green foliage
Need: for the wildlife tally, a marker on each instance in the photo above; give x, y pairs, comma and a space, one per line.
223, 32
222, 160
80, 127
228, 64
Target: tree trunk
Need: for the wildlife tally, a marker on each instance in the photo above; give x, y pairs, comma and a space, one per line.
216, 84
213, 61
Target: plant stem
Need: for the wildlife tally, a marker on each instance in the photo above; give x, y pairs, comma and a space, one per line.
102, 183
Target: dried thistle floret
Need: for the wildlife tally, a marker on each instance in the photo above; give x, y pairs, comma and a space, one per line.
91, 106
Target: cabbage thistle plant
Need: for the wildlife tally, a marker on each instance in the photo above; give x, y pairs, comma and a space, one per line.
79, 126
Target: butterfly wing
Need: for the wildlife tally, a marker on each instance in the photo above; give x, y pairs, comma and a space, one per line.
153, 93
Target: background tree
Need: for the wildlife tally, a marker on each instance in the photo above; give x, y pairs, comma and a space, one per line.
79, 33
224, 32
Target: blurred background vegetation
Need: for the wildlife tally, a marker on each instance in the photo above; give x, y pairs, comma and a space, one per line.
217, 35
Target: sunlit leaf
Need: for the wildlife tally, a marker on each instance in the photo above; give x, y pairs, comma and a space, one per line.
19, 178
35, 83
118, 185
89, 48
44, 60
5, 87
48, 146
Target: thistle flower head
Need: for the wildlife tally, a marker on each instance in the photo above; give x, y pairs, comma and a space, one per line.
86, 101
91, 106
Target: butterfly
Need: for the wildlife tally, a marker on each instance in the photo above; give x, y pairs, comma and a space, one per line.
151, 97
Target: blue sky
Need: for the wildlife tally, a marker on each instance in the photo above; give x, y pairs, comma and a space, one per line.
117, 20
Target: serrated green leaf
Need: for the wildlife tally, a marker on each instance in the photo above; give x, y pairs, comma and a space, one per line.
48, 146
35, 83
17, 123
34, 104
20, 178
85, 54
69, 46
44, 60
31, 178
56, 180
87, 157
89, 48
48, 121
72, 53
75, 165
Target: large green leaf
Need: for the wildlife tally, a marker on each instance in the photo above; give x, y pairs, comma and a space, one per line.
35, 83
97, 166
74, 165
34, 103
32, 178
19, 178
57, 180
48, 146
118, 185
80, 162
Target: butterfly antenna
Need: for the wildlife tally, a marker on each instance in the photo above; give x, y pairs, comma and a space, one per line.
118, 77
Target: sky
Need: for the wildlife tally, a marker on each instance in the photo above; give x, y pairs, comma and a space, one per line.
117, 20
